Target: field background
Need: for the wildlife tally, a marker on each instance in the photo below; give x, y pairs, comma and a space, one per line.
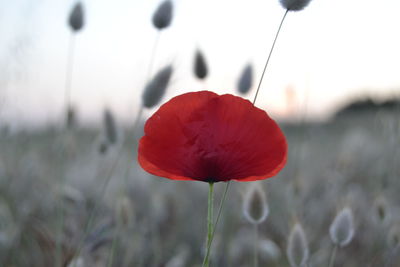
51, 180
70, 196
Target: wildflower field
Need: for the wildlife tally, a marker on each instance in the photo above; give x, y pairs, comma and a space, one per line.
201, 179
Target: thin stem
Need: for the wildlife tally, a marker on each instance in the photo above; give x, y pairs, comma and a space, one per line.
113, 247
68, 75
67, 104
216, 223
60, 230
333, 256
254, 101
210, 231
96, 205
210, 214
210, 220
137, 120
301, 139
153, 55
255, 245
269, 56
119, 155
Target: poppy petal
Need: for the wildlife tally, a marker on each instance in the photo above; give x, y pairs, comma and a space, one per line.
207, 137
162, 149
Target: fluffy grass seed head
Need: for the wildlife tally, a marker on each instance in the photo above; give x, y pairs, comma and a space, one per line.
77, 262
393, 237
76, 18
103, 148
342, 228
381, 211
124, 211
269, 250
110, 127
156, 88
245, 81
71, 117
294, 5
297, 250
180, 259
163, 15
72, 194
255, 207
200, 65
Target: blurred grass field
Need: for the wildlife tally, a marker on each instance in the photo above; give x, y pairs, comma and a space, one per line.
51, 181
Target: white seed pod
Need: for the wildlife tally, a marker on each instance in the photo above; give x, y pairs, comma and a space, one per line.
297, 250
393, 237
163, 15
294, 5
381, 211
245, 81
180, 259
156, 88
200, 65
76, 18
73, 195
110, 127
255, 207
124, 211
269, 250
342, 228
77, 262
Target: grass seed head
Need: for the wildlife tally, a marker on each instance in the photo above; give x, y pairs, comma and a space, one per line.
103, 147
76, 18
180, 259
269, 250
110, 127
200, 66
124, 211
77, 262
156, 88
393, 237
246, 80
294, 5
297, 250
342, 228
381, 211
71, 118
163, 15
255, 207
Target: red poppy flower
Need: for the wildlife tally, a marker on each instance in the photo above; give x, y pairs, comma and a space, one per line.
207, 137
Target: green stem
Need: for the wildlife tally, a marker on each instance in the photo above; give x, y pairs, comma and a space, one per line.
60, 232
136, 123
92, 214
333, 256
221, 205
210, 231
269, 56
153, 55
113, 247
210, 239
68, 75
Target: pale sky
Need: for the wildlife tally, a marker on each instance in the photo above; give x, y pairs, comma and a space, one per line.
330, 51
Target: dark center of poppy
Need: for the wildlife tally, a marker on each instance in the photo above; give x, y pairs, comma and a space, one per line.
209, 165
